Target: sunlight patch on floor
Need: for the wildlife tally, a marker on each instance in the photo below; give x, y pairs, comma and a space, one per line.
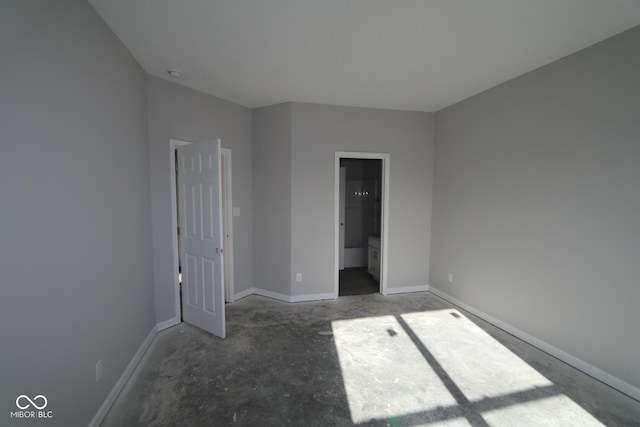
455, 422
549, 411
478, 364
425, 364
383, 372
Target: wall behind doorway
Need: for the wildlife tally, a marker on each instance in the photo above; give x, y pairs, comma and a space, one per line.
318, 131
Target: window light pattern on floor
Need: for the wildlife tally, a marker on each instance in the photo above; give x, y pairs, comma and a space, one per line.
439, 365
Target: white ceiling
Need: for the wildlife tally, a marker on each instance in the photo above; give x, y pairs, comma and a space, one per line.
401, 54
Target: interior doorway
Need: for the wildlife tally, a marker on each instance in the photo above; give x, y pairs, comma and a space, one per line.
227, 225
361, 222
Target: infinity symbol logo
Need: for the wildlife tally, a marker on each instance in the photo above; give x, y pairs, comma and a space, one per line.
22, 397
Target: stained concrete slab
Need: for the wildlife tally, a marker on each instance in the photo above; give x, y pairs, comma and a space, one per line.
370, 360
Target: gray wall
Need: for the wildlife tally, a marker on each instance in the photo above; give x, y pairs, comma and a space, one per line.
537, 202
75, 253
318, 131
272, 198
176, 112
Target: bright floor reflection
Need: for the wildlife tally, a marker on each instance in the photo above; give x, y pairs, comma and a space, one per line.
439, 368
565, 412
478, 364
384, 373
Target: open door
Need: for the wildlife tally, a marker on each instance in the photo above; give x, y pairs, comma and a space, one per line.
199, 201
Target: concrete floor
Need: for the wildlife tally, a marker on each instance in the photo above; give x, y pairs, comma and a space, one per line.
357, 281
404, 360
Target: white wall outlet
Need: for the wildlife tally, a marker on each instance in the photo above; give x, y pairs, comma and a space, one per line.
450, 277
99, 370
298, 277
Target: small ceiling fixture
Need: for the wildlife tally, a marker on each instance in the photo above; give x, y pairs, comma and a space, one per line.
174, 72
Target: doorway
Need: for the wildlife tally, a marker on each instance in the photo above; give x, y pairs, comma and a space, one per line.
360, 215
227, 225
361, 222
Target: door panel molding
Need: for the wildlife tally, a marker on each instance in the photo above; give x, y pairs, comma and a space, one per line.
200, 216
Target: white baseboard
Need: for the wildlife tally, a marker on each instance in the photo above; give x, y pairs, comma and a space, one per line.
407, 290
167, 323
244, 294
576, 362
289, 298
122, 381
272, 295
320, 297
312, 297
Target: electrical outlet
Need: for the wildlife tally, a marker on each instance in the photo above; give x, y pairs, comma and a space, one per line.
99, 370
450, 277
298, 277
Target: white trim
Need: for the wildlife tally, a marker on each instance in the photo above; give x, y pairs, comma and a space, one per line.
122, 381
228, 242
272, 295
407, 290
290, 298
168, 323
244, 294
173, 144
283, 297
312, 297
384, 237
587, 368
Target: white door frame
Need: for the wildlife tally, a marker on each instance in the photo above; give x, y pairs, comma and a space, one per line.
228, 252
227, 240
341, 217
384, 232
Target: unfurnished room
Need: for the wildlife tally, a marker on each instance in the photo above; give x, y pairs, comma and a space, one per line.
320, 213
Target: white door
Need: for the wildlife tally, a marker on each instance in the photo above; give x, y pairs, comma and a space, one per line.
343, 184
199, 201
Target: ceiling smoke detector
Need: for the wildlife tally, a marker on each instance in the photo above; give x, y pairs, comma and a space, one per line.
175, 73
